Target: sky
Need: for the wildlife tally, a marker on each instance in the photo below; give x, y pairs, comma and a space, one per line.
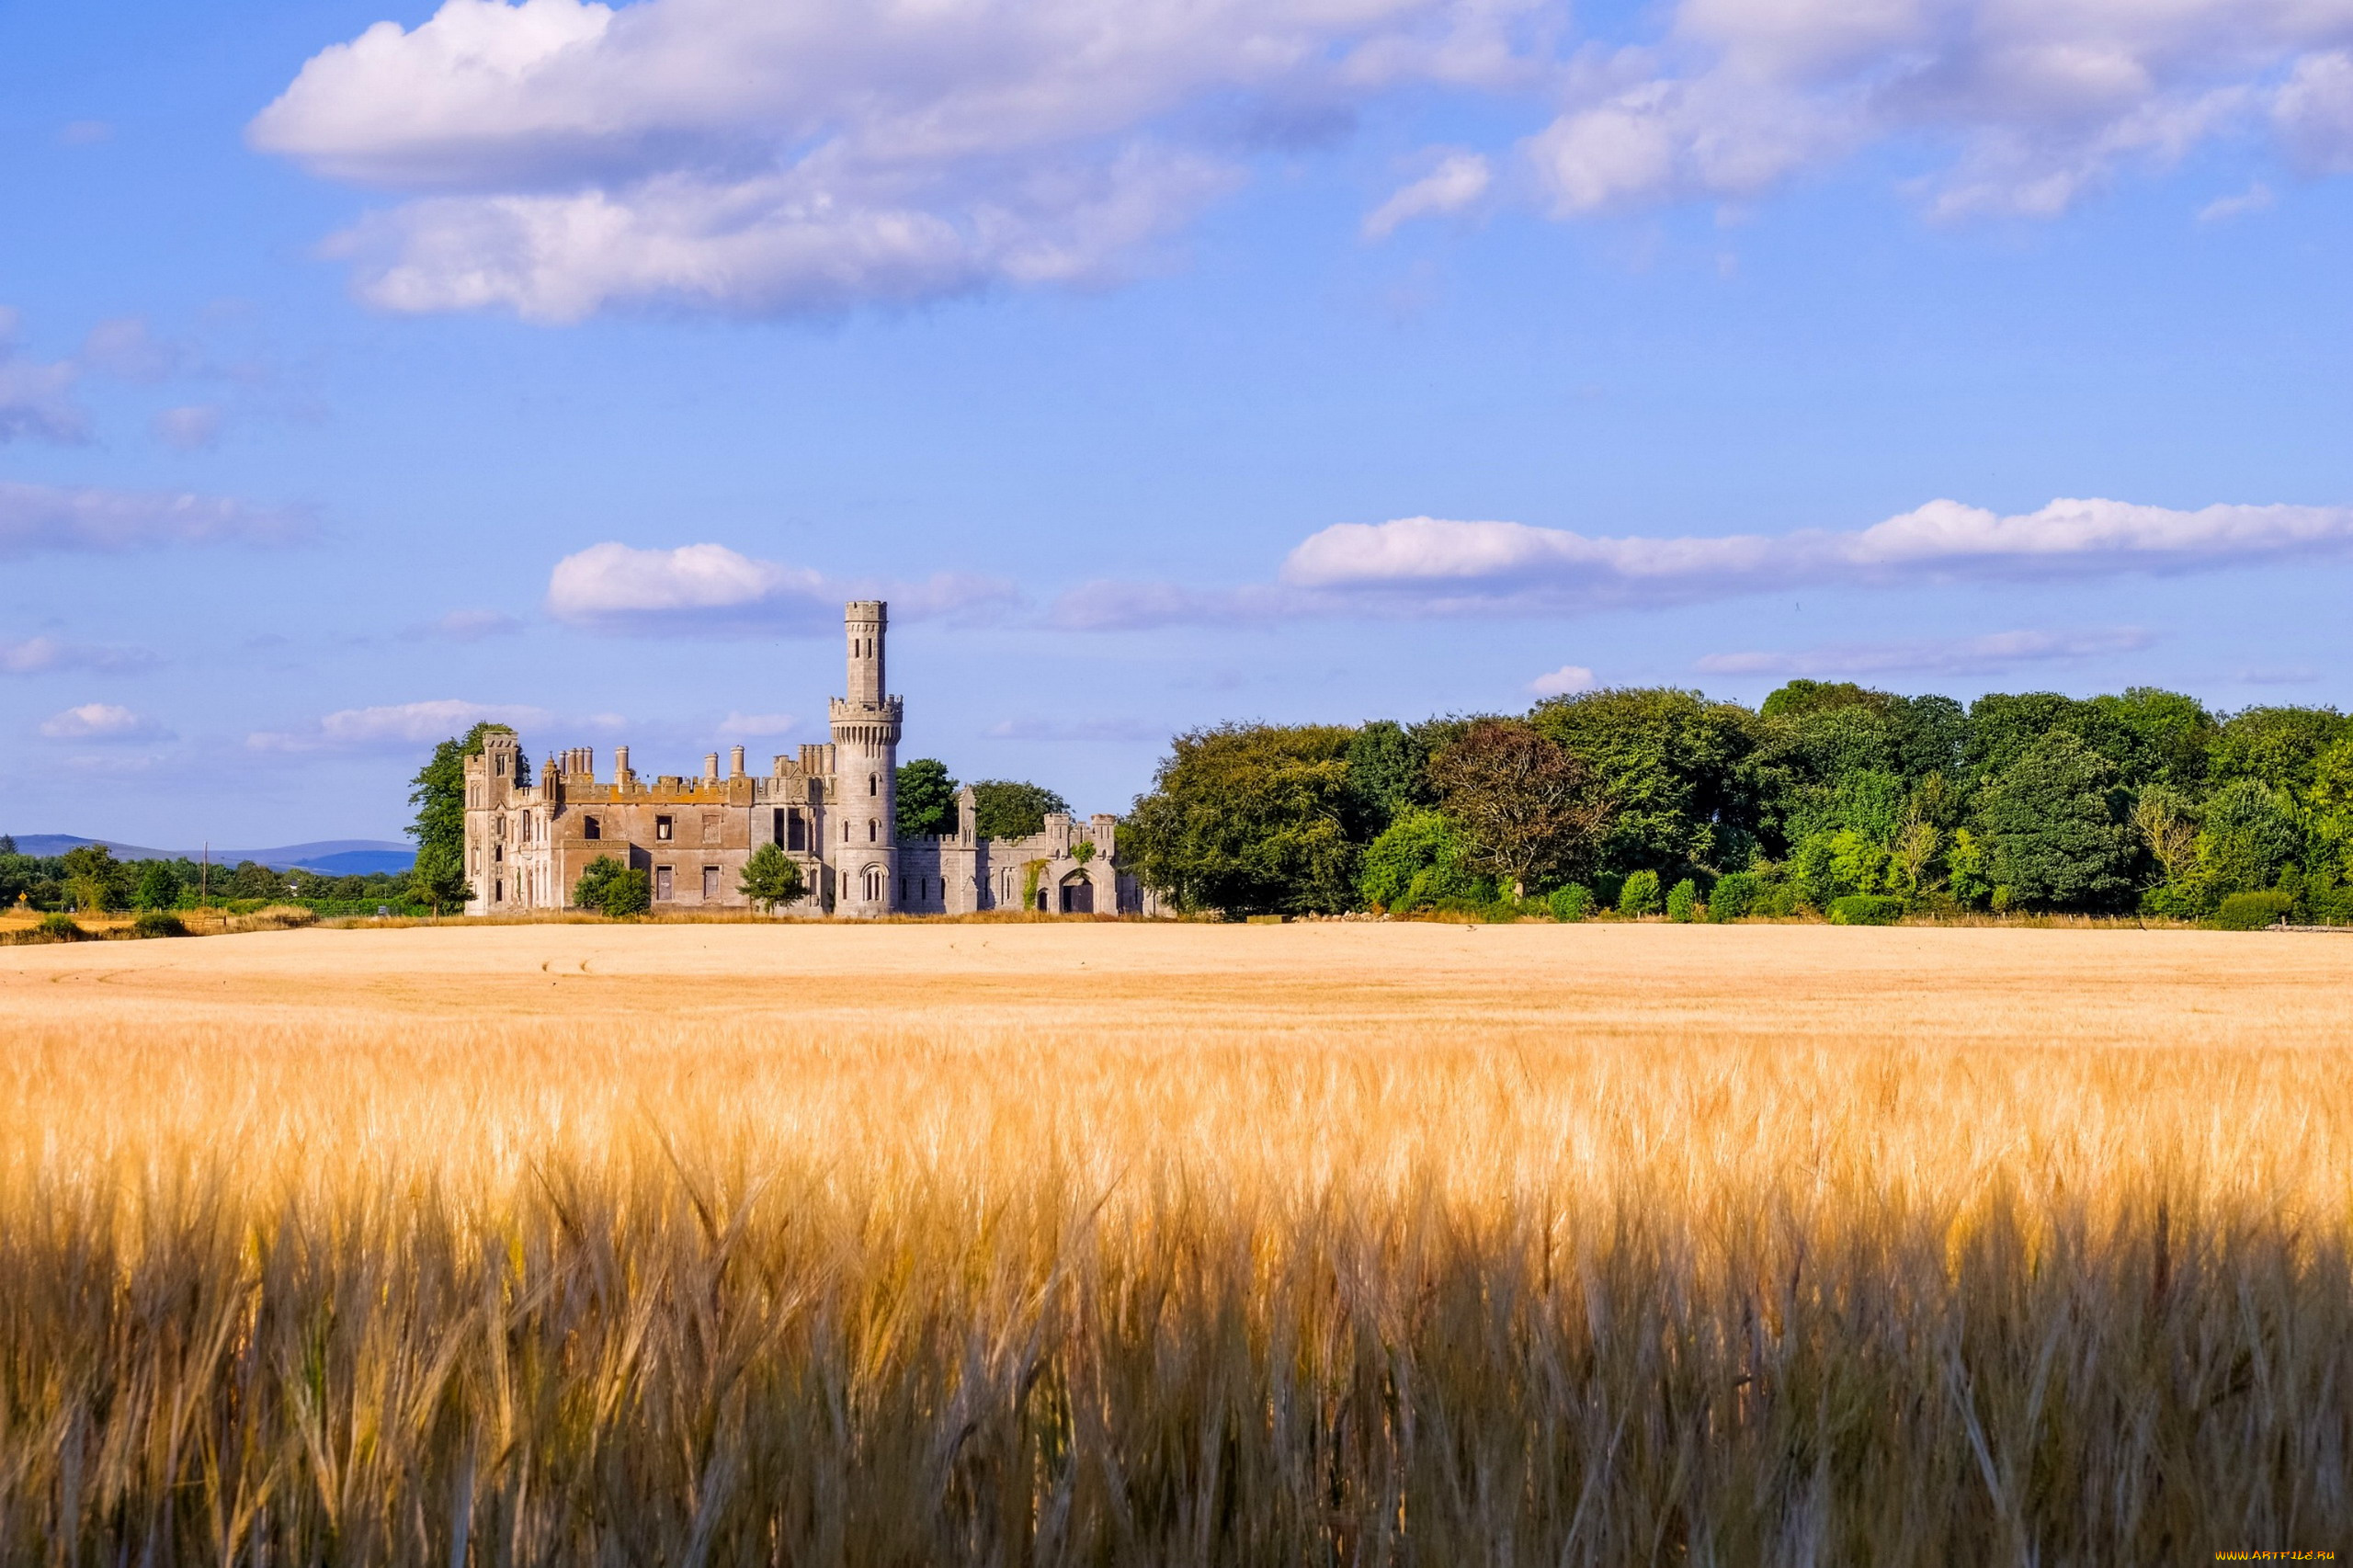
370, 368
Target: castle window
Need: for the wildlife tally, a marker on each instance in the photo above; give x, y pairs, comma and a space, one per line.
796, 835
661, 884
873, 784
710, 884
498, 893
662, 829
501, 764
497, 852
591, 828
710, 827
869, 831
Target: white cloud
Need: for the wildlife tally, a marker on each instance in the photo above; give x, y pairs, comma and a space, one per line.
2031, 105
1460, 179
2256, 198
190, 428
743, 155
1567, 681
39, 656
45, 517
754, 726
398, 726
2314, 112
1932, 655
36, 401
1437, 564
102, 721
711, 590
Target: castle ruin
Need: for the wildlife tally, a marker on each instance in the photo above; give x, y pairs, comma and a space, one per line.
833, 808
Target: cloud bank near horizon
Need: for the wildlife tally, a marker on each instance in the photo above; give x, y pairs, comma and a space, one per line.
52, 519
1437, 566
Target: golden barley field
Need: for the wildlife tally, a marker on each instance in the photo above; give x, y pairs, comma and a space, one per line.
1069, 1243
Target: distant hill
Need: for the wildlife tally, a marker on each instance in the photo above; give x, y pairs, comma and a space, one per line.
328, 856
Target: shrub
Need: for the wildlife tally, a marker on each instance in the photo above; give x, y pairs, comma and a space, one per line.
629, 894
2253, 910
1681, 903
1732, 896
157, 923
1570, 904
1639, 895
1607, 887
1866, 909
60, 929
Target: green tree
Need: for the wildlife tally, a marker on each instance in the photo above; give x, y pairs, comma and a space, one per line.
1673, 766
926, 800
1529, 809
629, 895
772, 878
2055, 828
2278, 747
1251, 819
438, 878
158, 888
439, 793
1007, 808
88, 872
1639, 895
2248, 839
1419, 859
595, 877
1388, 774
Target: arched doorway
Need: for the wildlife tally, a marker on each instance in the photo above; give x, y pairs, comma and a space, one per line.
1078, 894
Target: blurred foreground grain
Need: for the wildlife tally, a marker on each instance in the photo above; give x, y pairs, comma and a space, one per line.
1113, 1244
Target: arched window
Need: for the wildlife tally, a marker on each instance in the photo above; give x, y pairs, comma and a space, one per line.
870, 828
874, 784
878, 884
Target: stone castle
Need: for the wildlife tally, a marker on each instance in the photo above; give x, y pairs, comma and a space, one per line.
834, 809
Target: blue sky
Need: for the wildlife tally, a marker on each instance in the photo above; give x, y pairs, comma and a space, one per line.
1163, 363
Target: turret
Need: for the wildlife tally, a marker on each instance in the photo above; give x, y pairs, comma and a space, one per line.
863, 825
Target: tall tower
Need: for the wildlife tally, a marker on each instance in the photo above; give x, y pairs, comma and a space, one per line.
864, 815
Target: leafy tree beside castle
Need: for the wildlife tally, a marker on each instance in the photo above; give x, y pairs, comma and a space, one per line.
926, 800
772, 878
1008, 808
439, 797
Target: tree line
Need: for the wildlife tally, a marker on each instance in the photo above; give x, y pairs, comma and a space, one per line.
87, 879
1828, 795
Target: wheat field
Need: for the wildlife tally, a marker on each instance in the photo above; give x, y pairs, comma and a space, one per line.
1119, 1243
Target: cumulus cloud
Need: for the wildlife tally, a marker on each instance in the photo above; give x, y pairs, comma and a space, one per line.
562, 157
711, 590
2314, 112
1438, 564
36, 401
1460, 179
46, 518
40, 655
1932, 655
398, 726
102, 721
2033, 105
1567, 681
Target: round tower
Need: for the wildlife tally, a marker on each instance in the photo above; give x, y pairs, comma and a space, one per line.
865, 811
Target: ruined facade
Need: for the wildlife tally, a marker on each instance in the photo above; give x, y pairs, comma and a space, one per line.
833, 808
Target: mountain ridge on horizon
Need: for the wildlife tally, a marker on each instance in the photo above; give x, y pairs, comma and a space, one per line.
335, 856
